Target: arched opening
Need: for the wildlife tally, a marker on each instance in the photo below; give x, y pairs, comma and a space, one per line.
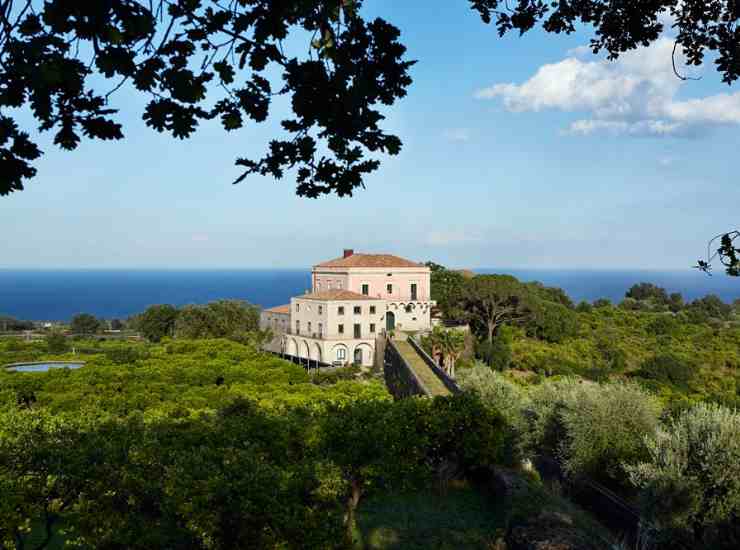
292, 348
390, 321
316, 353
363, 355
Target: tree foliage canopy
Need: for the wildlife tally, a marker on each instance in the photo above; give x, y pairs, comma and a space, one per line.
84, 323
201, 60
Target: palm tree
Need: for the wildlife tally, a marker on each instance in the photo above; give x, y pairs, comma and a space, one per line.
447, 344
452, 343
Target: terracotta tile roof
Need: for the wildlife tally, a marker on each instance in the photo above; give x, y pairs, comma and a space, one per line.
370, 260
279, 309
336, 294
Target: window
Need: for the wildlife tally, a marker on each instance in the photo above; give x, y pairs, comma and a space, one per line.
298, 307
408, 308
340, 310
372, 310
328, 285
297, 327
358, 310
309, 327
318, 287
358, 331
340, 329
321, 329
413, 291
372, 328
341, 354
339, 285
321, 310
365, 290
389, 288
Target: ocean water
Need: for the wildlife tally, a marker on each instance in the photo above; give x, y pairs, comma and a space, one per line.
59, 295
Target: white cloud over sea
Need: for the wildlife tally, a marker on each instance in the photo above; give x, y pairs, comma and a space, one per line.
635, 95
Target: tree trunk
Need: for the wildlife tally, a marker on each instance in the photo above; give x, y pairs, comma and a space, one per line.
354, 499
491, 329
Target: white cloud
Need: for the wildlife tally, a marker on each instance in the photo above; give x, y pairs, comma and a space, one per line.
635, 95
457, 134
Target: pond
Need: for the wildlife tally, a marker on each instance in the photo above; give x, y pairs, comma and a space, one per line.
43, 367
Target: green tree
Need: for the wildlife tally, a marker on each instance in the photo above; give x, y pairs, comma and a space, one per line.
690, 480
647, 291
220, 319
552, 322
450, 343
591, 428
491, 301
668, 369
675, 302
497, 354
84, 323
551, 294
447, 290
157, 322
56, 343
708, 307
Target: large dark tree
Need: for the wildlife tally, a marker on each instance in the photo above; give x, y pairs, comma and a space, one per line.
491, 301
201, 60
157, 322
198, 60
84, 323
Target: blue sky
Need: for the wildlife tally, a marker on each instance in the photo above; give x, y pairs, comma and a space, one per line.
518, 152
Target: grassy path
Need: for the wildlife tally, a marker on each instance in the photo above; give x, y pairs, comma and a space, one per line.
422, 370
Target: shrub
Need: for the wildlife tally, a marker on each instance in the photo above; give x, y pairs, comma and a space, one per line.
56, 343
553, 322
497, 392
669, 369
157, 322
663, 324
497, 354
592, 429
690, 482
124, 355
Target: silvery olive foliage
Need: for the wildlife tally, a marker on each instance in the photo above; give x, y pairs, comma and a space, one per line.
691, 477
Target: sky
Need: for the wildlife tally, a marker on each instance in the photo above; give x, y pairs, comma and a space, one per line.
523, 152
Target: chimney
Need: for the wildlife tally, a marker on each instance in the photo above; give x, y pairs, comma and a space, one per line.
348, 252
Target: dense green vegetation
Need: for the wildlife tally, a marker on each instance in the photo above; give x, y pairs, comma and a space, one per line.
202, 441
642, 396
683, 352
212, 444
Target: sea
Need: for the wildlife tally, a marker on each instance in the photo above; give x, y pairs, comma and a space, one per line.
58, 295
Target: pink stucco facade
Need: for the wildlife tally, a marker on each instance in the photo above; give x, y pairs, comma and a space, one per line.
351, 306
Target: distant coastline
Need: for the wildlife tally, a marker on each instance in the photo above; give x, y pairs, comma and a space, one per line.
57, 295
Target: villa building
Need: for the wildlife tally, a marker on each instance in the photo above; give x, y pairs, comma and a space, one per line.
353, 301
